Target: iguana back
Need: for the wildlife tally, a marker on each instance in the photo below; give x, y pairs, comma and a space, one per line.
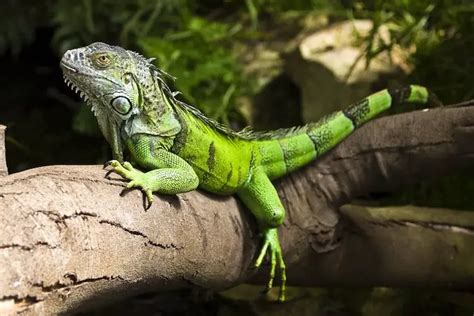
223, 158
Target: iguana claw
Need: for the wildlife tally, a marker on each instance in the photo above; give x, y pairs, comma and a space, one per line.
137, 178
107, 163
272, 245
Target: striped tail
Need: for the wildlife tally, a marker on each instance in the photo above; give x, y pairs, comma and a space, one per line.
296, 149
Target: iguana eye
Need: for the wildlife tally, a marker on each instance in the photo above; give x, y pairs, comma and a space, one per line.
102, 60
121, 105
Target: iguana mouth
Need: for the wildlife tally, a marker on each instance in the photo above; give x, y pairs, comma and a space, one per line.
68, 67
74, 88
73, 71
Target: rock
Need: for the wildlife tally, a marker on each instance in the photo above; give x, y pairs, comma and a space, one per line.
277, 100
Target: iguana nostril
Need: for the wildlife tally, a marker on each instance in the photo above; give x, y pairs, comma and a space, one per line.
67, 56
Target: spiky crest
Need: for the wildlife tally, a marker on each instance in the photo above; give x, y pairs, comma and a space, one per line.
246, 134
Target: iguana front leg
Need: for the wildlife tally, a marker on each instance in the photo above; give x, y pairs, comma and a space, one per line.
170, 175
260, 196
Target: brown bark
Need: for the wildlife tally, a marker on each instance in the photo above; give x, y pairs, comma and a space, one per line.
3, 159
69, 242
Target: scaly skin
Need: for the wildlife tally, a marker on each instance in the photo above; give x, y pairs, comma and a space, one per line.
181, 149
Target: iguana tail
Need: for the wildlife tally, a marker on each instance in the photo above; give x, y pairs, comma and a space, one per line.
295, 149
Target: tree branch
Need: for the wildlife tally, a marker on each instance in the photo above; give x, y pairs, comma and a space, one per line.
3, 160
70, 242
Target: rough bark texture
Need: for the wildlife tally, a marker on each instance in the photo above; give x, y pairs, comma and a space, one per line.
3, 159
69, 242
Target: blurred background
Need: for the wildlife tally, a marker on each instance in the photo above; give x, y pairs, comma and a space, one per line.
264, 63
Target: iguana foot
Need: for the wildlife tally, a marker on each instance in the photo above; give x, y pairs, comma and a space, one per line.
272, 245
137, 178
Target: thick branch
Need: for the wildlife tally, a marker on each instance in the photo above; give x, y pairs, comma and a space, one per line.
69, 241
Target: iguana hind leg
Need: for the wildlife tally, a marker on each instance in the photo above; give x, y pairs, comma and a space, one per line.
260, 196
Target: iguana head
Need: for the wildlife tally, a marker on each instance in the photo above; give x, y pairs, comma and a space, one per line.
106, 75
120, 85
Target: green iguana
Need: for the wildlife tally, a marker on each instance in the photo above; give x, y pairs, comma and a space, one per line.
182, 149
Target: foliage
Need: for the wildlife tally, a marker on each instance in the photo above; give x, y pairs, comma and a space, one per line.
216, 78
195, 41
438, 33
17, 25
79, 23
